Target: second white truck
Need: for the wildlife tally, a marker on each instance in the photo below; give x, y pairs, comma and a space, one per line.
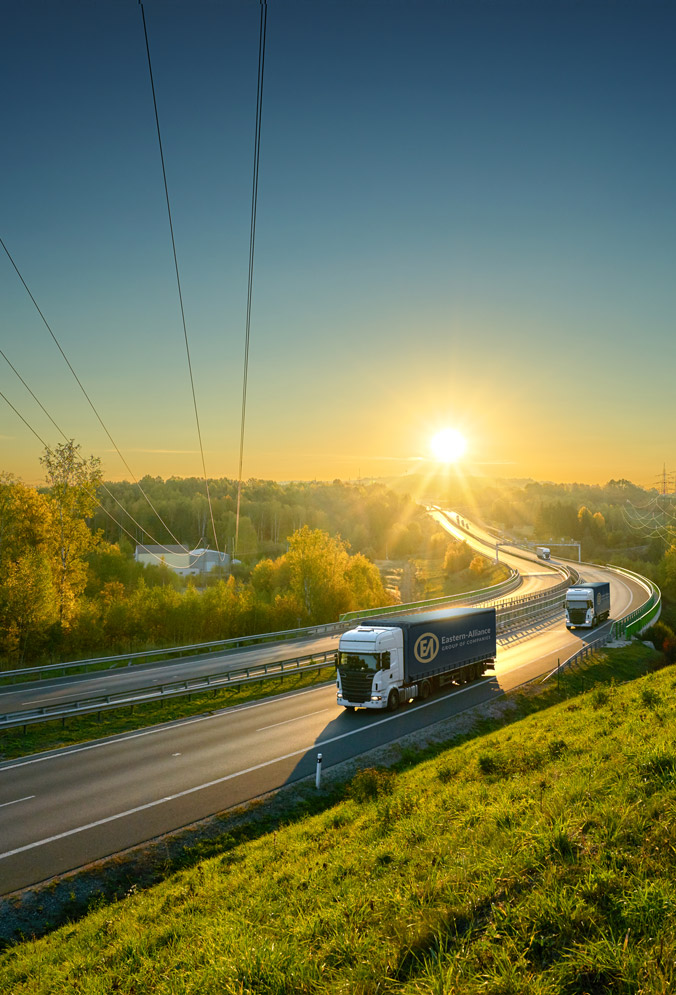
587, 604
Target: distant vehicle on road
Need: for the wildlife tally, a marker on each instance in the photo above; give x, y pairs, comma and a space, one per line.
587, 604
388, 660
544, 553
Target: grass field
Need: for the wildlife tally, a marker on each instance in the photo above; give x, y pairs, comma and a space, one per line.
534, 858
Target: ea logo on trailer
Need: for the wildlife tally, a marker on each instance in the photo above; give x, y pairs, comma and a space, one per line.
426, 647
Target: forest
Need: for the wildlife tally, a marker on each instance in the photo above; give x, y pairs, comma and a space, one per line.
307, 551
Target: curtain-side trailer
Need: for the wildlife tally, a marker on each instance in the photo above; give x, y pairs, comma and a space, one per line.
385, 661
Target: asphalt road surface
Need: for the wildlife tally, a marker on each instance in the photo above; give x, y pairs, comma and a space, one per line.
61, 810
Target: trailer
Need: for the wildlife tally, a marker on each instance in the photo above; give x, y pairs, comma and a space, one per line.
385, 661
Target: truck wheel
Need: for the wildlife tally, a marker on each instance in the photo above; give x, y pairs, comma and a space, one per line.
393, 701
425, 690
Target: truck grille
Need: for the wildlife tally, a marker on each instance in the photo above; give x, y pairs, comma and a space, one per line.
577, 616
356, 684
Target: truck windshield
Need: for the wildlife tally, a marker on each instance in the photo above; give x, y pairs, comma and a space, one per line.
579, 604
362, 661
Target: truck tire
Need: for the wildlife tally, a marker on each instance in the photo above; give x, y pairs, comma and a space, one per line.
393, 701
425, 690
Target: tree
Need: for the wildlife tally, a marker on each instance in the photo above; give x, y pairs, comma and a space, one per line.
318, 564
73, 482
27, 596
27, 603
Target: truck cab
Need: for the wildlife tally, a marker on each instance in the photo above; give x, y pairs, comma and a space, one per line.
587, 604
369, 667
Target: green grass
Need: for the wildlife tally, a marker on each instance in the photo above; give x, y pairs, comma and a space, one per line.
533, 859
52, 735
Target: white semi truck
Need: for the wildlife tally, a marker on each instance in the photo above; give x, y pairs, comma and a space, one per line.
587, 604
385, 661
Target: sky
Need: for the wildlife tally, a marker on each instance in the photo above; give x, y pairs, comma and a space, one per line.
466, 218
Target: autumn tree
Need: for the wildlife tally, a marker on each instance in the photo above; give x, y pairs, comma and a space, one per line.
72, 482
27, 594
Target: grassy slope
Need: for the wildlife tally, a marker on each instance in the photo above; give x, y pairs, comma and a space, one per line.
537, 858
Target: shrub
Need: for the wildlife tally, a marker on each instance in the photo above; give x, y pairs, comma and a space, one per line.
370, 783
658, 634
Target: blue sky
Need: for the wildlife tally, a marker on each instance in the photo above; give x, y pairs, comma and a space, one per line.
466, 217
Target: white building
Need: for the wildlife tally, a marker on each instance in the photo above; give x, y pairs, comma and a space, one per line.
180, 559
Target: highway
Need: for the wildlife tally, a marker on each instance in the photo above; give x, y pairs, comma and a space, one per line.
61, 810
536, 577
61, 689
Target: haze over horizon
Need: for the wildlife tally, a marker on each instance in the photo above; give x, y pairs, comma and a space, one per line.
466, 218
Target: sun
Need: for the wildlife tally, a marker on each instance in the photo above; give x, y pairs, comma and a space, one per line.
448, 445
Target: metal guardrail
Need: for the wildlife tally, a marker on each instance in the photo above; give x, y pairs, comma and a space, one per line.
465, 598
125, 659
623, 628
531, 608
170, 689
642, 617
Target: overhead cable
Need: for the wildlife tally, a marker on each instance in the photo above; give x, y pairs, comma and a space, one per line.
178, 278
102, 483
101, 506
252, 243
89, 400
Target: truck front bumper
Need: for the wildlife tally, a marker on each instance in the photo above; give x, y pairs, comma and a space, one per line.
376, 701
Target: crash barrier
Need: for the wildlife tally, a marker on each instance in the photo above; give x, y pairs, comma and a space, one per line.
640, 618
169, 689
466, 598
531, 609
508, 616
126, 659
62, 669
623, 628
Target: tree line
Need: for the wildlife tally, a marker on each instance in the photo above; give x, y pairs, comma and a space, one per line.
69, 584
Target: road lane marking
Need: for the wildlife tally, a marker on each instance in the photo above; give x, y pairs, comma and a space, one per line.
220, 780
297, 719
16, 801
153, 730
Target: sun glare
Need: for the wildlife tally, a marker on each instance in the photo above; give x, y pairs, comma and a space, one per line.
448, 445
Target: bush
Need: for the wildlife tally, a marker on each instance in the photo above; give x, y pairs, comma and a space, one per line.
658, 634
370, 783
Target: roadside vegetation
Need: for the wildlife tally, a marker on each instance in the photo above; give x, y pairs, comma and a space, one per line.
534, 858
71, 589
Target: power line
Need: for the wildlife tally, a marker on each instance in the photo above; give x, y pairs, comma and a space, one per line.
64, 436
178, 278
101, 506
252, 241
89, 400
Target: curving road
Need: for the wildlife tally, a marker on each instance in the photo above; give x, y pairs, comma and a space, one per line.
60, 810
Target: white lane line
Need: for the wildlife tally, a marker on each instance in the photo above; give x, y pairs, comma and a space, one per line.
152, 731
16, 801
286, 721
212, 784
